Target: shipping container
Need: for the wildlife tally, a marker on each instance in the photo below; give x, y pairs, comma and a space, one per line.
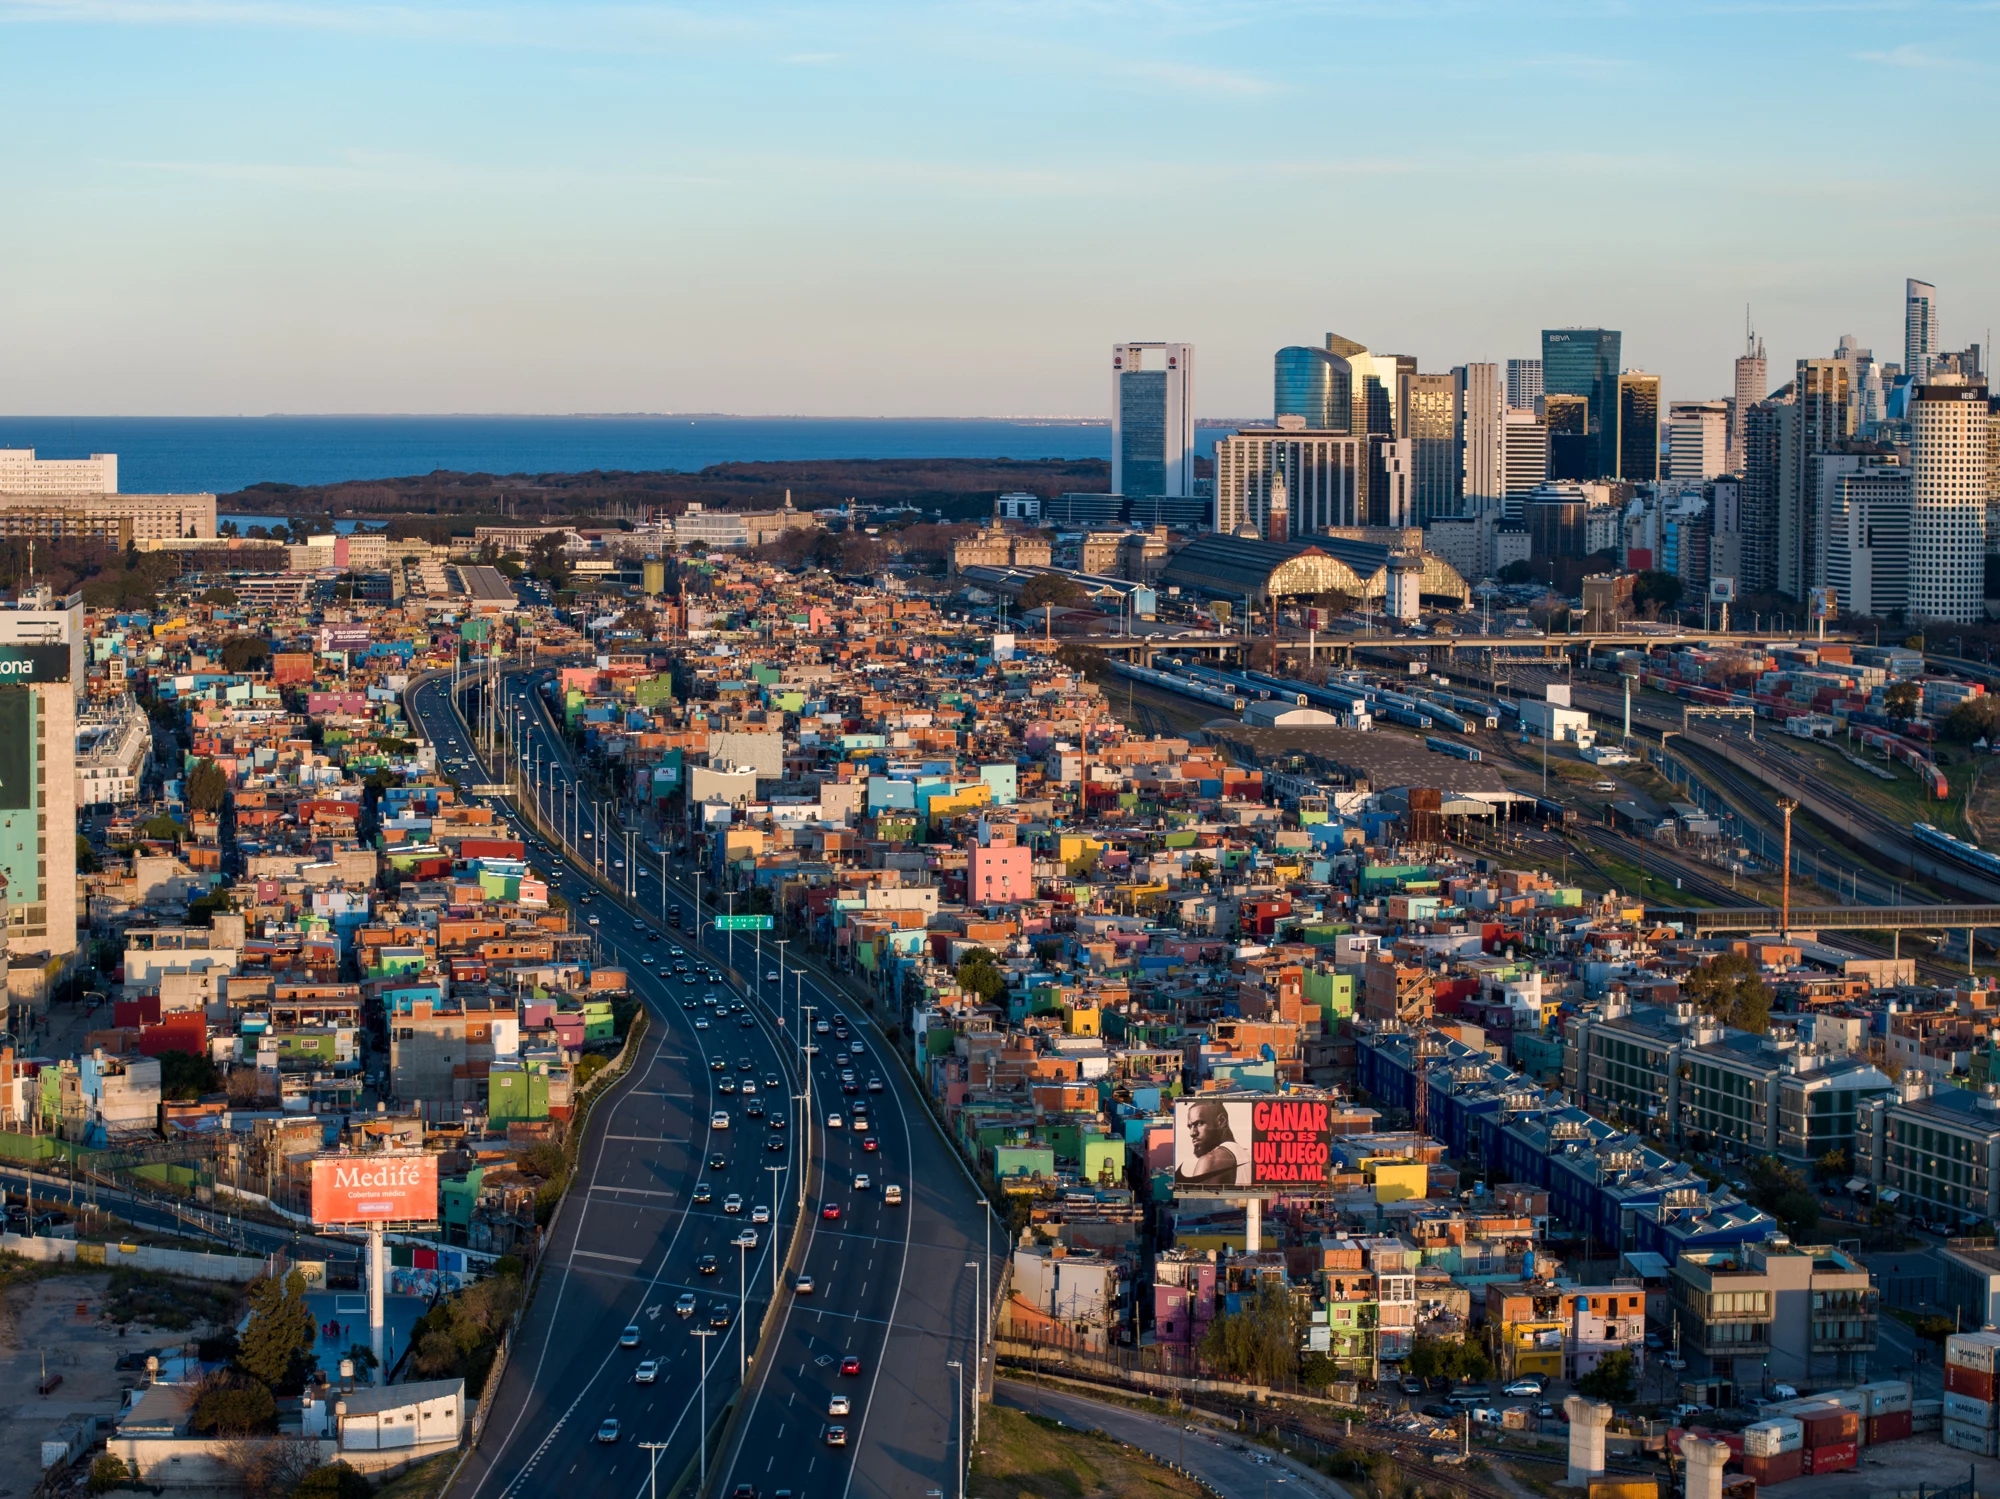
1837, 1457
1978, 1383
1827, 1428
1973, 1350
1884, 1396
1769, 1438
1977, 1439
1969, 1412
1926, 1415
1782, 1468
1890, 1426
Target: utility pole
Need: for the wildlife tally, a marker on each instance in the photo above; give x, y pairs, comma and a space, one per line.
742, 1313
962, 1456
776, 1173
656, 1448
978, 1346
1788, 806
704, 1333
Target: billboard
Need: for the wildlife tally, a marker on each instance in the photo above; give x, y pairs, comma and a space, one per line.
1825, 603
1722, 590
389, 1187
1238, 1146
34, 663
17, 751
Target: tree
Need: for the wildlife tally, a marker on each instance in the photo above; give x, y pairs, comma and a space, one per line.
1516, 572
242, 652
222, 596
1832, 1164
334, 1481
978, 973
1611, 1379
1974, 718
1902, 700
86, 856
1730, 988
1449, 1358
207, 787
185, 1077
1259, 1343
1661, 590
1051, 588
109, 1473
278, 1342
231, 1405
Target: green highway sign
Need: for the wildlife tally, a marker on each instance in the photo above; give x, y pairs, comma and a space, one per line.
743, 923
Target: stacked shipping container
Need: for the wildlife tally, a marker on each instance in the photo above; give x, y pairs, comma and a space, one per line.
1969, 1412
1774, 1450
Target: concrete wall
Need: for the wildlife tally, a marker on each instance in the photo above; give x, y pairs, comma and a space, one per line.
196, 1266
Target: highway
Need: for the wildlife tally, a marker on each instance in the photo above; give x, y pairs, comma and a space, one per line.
630, 1238
890, 1287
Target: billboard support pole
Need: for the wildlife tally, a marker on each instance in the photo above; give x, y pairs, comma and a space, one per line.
1253, 1224
377, 1264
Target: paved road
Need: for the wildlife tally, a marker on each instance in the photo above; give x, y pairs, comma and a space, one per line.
1233, 1468
1899, 1352
891, 1287
630, 1237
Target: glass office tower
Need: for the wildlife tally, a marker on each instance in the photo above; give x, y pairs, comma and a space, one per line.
1584, 362
1152, 419
1638, 427
1313, 385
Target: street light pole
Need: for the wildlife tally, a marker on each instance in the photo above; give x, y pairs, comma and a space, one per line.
978, 1346
776, 1172
656, 1448
704, 1333
955, 1364
742, 1312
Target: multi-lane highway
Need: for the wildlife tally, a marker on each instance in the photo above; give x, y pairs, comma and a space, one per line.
886, 1293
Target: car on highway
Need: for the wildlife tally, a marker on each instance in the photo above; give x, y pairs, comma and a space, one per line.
748, 1023
857, 1049
708, 1264
718, 1163
803, 1285
831, 1212
838, 1406
727, 1085
849, 1087
718, 1065
850, 1365
733, 1203
685, 1306
833, 1121
836, 1436
745, 1239
596, 920
743, 1064
822, 1027
760, 1214
840, 1033
774, 1145
892, 1195
771, 978
718, 1314
874, 1085
812, 1048
719, 1119
869, 1142
703, 1193
629, 1338
861, 1182
608, 1432
770, 1081
754, 1110
647, 1372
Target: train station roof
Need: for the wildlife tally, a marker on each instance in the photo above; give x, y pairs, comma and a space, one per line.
1258, 571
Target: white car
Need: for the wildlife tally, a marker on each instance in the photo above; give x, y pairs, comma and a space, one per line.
833, 1121
719, 1119
838, 1406
854, 1046
629, 1338
701, 1025
861, 1182
594, 921
1521, 1387
822, 1027
733, 1203
748, 1086
760, 1214
608, 1432
647, 1372
747, 1239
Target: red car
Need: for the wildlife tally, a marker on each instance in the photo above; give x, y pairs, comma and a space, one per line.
850, 1365
869, 1143
831, 1212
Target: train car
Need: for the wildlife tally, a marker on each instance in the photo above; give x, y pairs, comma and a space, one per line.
1453, 748
1183, 685
1939, 841
1551, 810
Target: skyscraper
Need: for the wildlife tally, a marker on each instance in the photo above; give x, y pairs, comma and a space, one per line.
1638, 427
1825, 422
1920, 329
1770, 479
1948, 503
1584, 362
1481, 442
1152, 419
1311, 386
1526, 443
1429, 408
1323, 477
1698, 439
1572, 450
1752, 382
1868, 540
1524, 383
42, 664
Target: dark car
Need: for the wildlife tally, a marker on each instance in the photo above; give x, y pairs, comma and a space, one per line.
718, 1315
703, 1194
743, 1065
707, 1264
717, 1163
754, 1110
718, 1065
1441, 1413
774, 1145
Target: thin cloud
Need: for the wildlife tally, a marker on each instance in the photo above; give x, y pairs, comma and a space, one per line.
1196, 79
1923, 59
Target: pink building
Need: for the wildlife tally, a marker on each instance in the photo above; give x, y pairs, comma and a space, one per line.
997, 875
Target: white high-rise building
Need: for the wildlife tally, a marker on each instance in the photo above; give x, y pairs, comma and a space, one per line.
1948, 503
1920, 329
1868, 538
1482, 440
1524, 383
21, 472
1524, 444
1152, 420
1322, 476
1697, 439
1752, 384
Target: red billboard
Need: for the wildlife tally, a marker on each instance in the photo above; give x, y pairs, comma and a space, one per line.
384, 1188
1252, 1146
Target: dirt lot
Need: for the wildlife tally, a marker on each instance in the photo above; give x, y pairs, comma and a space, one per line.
1891, 1468
39, 1318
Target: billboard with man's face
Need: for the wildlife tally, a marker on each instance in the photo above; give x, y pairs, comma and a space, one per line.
1267, 1145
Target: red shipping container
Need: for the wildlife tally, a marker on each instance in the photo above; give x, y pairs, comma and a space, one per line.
1837, 1458
1829, 1428
1893, 1426
1960, 1380
1782, 1468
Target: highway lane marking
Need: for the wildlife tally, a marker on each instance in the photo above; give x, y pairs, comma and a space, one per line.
623, 1259
649, 1139
636, 1191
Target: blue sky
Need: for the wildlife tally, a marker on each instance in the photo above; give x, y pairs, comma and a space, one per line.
246, 206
